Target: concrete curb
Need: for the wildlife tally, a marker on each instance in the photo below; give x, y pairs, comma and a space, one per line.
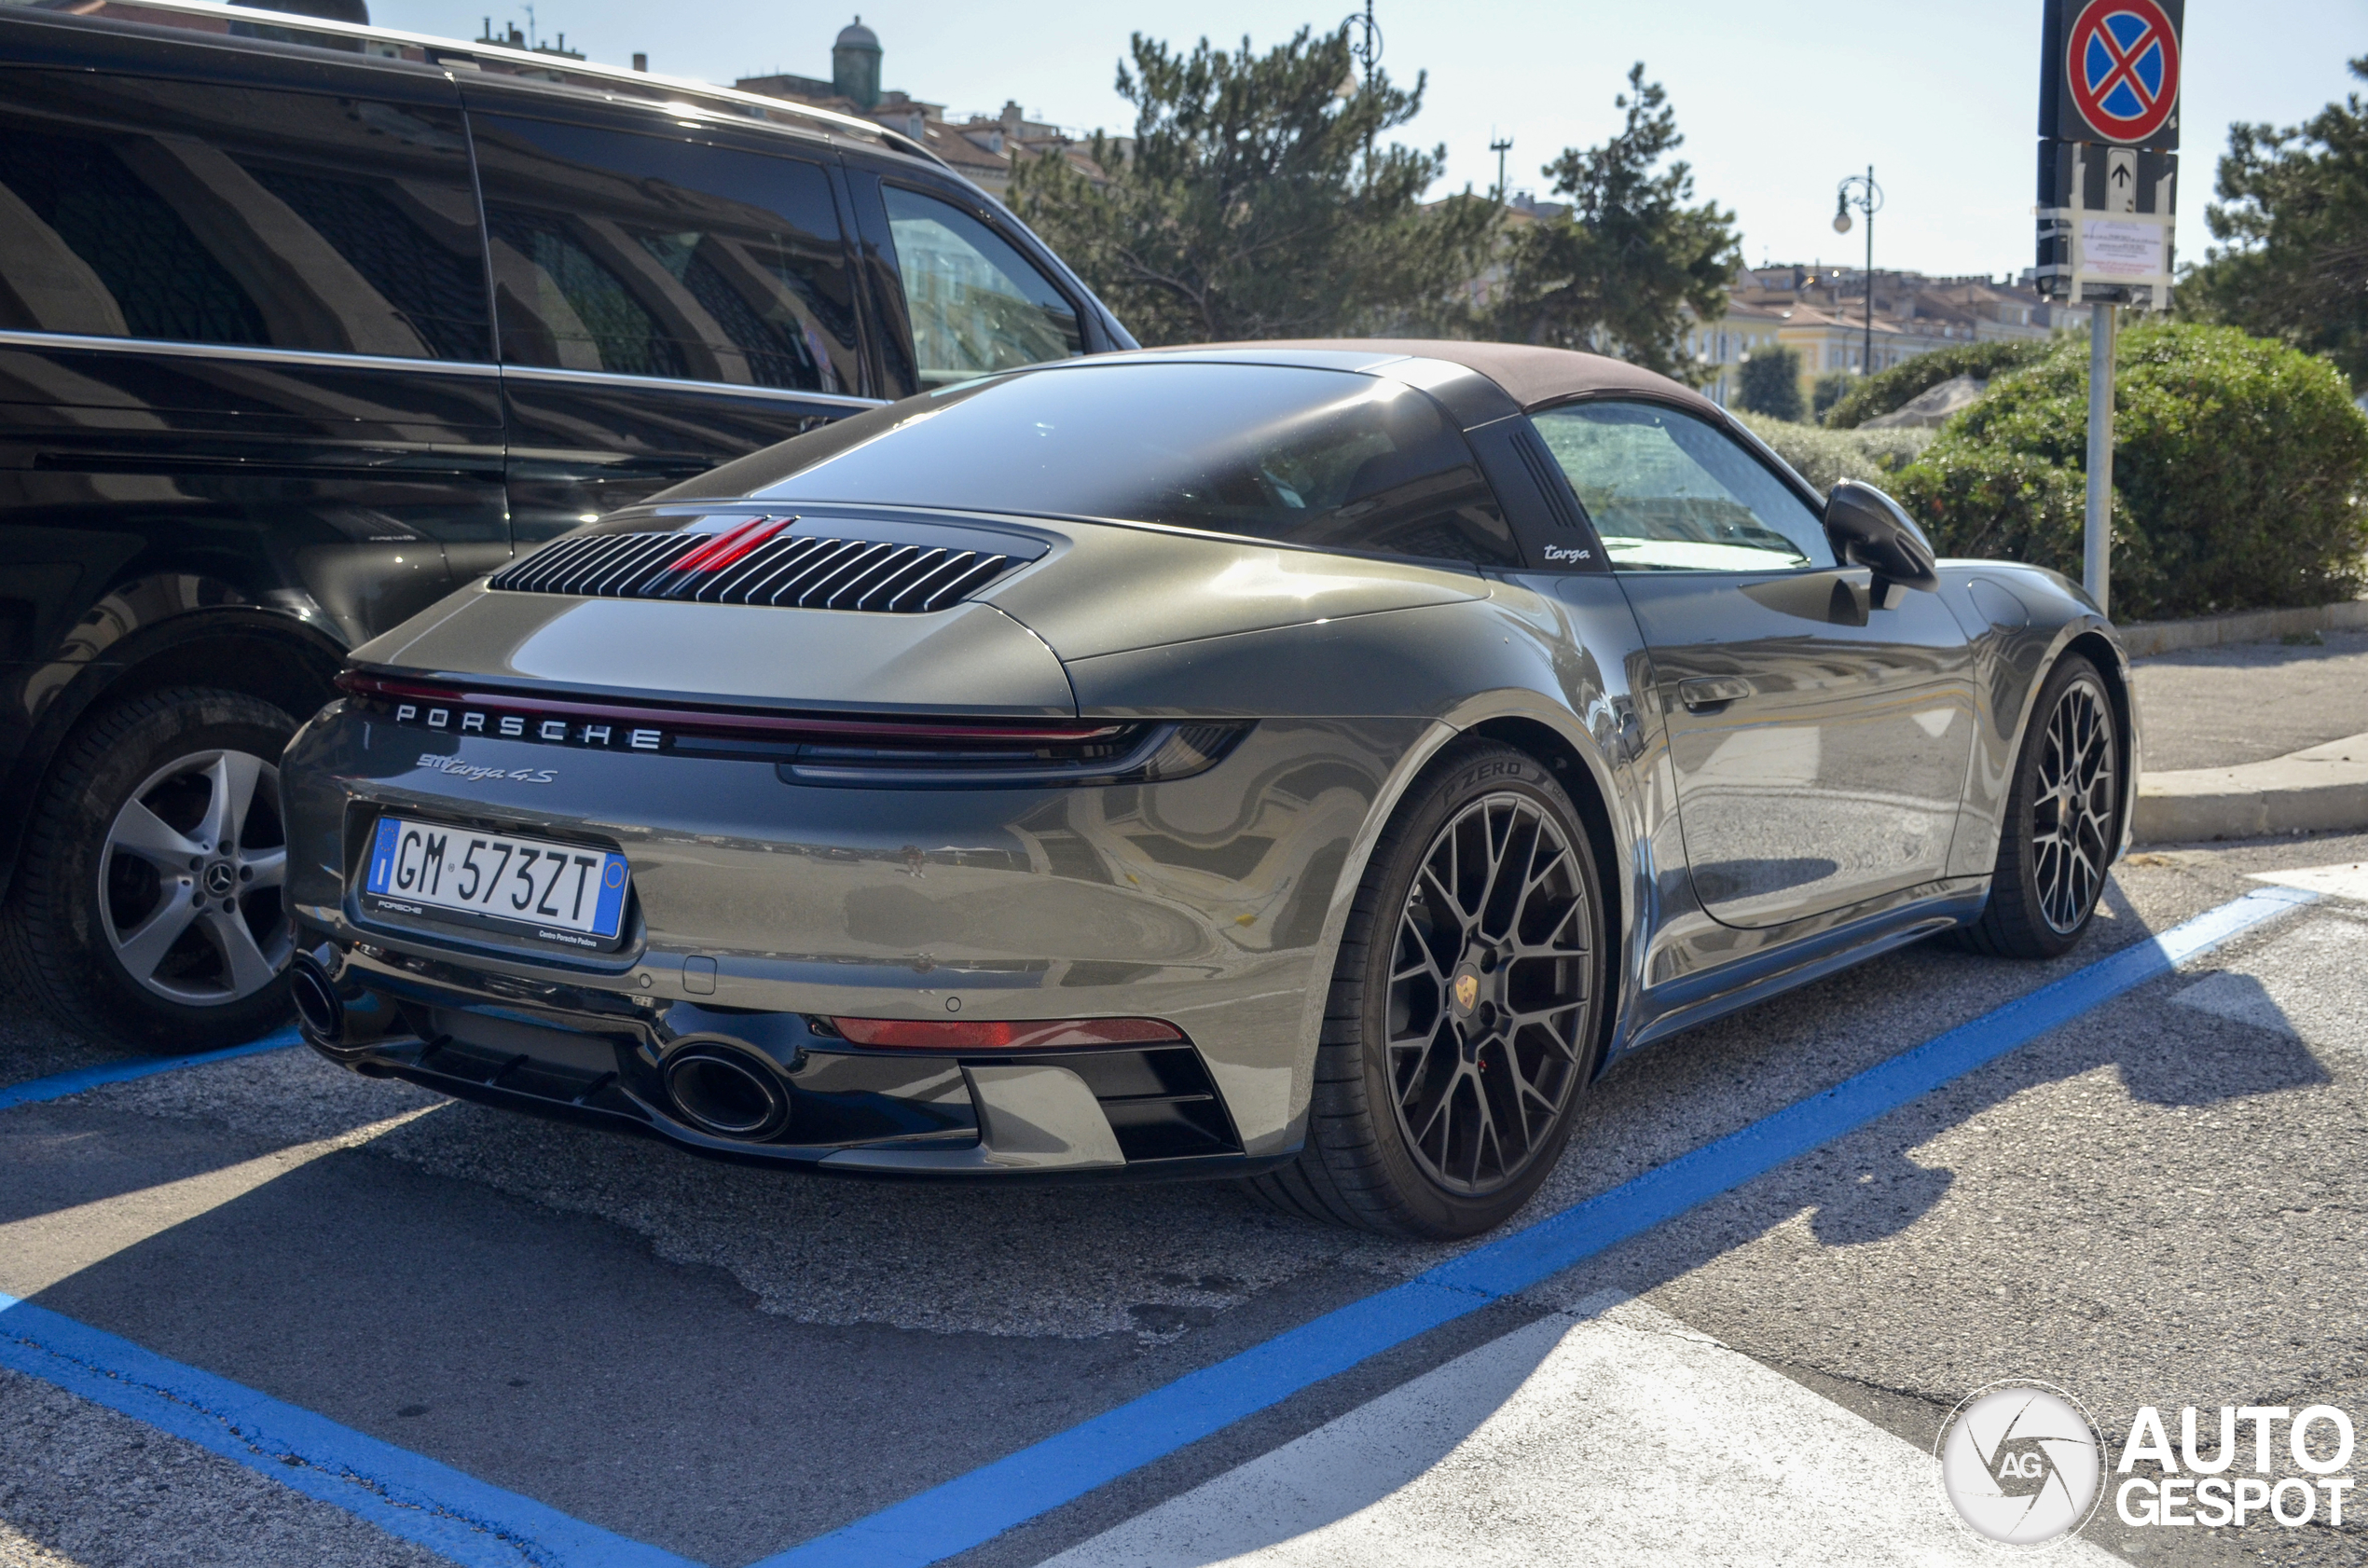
2322, 789
2144, 638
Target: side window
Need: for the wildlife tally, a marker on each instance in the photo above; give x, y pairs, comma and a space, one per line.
977, 305
230, 215
1667, 492
620, 251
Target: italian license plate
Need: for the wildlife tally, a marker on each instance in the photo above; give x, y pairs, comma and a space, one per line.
562, 889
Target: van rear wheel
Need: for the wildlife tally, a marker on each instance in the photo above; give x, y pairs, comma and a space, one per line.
147, 909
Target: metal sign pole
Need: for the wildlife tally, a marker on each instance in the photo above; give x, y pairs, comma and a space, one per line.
2109, 74
2098, 537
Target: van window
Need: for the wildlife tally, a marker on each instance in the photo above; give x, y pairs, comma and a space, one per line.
645, 257
977, 305
230, 214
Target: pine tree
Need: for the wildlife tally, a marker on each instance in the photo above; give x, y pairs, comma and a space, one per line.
1633, 264
1258, 200
2294, 213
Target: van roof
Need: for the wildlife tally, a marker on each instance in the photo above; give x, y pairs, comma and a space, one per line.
349, 39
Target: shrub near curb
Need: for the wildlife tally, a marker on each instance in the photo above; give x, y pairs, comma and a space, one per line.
1888, 391
2240, 474
1825, 457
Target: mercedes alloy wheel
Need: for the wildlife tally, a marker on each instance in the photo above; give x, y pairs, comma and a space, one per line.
190, 879
147, 907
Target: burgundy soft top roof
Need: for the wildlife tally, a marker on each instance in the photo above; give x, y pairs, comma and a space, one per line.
1530, 374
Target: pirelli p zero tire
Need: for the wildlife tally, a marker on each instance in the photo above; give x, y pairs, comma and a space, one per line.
1461, 1027
2063, 820
146, 908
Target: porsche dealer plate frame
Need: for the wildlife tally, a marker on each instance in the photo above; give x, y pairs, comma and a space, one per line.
567, 892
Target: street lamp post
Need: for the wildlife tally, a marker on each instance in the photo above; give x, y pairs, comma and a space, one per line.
1862, 192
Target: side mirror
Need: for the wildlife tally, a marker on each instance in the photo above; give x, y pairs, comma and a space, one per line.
1868, 529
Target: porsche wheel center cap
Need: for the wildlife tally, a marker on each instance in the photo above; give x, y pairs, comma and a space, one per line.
1467, 989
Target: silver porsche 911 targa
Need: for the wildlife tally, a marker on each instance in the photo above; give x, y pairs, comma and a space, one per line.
1305, 762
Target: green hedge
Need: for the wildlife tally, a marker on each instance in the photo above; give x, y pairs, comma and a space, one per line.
2240, 474
1890, 389
1825, 457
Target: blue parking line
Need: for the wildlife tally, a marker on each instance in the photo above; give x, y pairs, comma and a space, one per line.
59, 1085
475, 1523
403, 1493
974, 1508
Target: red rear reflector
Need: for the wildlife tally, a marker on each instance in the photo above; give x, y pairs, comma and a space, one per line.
987, 1034
720, 550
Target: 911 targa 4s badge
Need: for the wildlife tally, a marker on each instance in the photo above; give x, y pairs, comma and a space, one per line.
1307, 763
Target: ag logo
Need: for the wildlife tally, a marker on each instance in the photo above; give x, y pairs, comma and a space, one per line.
2021, 1462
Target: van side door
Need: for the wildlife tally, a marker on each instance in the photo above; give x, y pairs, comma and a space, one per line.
244, 346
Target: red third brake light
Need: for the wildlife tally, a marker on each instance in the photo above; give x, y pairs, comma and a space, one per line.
987, 1034
718, 551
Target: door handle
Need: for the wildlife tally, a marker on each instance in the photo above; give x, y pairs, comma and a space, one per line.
1704, 692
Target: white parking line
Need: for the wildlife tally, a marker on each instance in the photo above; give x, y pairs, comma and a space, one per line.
2343, 880
2310, 982
1614, 1435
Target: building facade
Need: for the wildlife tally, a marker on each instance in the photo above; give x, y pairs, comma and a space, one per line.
1819, 312
982, 148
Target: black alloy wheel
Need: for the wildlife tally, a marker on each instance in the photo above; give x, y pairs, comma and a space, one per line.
1464, 1008
147, 909
2062, 826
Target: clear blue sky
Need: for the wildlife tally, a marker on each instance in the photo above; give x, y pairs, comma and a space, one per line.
1777, 101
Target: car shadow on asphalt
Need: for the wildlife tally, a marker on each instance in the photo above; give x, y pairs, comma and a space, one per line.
554, 1355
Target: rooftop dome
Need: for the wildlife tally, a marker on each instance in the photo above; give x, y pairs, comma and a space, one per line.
855, 35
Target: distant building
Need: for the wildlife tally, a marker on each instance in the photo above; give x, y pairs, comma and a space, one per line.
981, 148
511, 36
1821, 314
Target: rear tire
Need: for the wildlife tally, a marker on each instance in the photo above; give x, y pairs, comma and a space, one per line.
2063, 821
1461, 1026
146, 910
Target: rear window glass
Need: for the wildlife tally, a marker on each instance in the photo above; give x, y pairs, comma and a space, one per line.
1320, 458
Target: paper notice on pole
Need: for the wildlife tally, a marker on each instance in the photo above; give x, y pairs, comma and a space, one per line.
2121, 250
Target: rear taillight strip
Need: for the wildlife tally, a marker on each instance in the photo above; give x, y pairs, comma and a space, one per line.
726, 721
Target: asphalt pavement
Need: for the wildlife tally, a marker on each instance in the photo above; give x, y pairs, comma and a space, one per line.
2155, 1204
2248, 702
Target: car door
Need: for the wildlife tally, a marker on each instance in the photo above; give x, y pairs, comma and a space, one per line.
1819, 738
244, 340
666, 303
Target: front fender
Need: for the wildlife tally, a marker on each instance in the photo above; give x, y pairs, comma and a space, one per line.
2021, 620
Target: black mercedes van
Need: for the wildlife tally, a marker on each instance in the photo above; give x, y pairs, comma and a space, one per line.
305, 324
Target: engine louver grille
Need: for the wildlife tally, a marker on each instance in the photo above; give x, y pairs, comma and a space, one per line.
757, 564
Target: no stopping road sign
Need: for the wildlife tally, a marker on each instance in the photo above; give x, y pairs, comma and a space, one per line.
2121, 65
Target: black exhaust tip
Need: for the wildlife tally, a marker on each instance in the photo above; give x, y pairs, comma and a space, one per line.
726, 1093
317, 1003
